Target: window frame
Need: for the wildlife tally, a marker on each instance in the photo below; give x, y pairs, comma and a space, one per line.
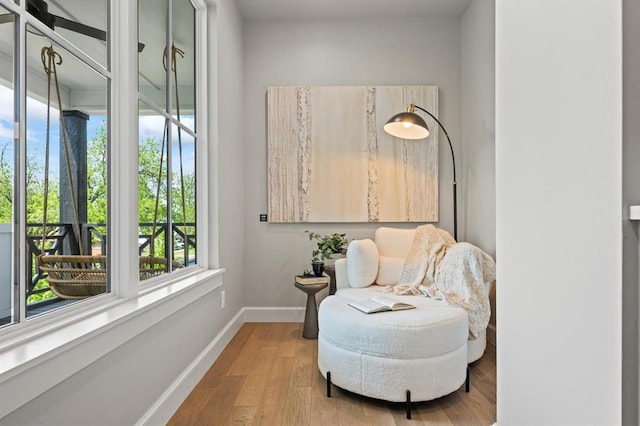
199, 133
22, 21
56, 345
122, 250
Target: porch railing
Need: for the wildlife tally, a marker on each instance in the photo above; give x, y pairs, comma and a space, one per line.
60, 240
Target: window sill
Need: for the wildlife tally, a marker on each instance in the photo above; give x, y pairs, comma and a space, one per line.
72, 344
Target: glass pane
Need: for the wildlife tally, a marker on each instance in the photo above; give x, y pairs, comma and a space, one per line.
7, 158
66, 176
184, 53
152, 24
83, 23
153, 238
183, 195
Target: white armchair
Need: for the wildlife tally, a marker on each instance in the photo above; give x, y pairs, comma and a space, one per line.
419, 353
381, 262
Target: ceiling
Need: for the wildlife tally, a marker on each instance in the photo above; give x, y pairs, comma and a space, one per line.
75, 77
87, 90
349, 9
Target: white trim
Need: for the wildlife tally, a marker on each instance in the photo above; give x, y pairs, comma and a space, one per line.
123, 196
20, 220
209, 123
38, 364
203, 167
267, 314
162, 410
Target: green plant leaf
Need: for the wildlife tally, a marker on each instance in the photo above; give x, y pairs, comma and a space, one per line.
328, 245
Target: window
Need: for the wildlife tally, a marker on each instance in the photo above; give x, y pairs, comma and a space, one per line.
167, 146
61, 144
54, 167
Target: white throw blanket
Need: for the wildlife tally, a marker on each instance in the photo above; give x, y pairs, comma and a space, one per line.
458, 273
428, 248
464, 279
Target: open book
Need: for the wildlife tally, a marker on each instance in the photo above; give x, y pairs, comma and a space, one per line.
380, 304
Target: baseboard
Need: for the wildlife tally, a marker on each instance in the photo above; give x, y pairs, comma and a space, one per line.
266, 314
169, 402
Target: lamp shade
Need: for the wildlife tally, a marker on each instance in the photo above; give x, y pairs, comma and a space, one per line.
407, 125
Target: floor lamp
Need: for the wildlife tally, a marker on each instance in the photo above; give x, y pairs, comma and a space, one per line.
409, 125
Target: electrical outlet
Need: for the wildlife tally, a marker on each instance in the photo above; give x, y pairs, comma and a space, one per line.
263, 217
223, 301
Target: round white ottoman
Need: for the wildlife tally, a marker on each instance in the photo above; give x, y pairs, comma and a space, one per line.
384, 355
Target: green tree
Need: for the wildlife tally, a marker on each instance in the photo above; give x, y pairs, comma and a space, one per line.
6, 185
35, 193
150, 187
97, 177
149, 153
148, 169
35, 190
188, 214
35, 177
97, 184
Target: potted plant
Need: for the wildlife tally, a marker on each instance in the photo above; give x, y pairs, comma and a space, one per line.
327, 247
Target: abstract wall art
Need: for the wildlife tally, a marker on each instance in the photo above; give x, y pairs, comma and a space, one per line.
329, 159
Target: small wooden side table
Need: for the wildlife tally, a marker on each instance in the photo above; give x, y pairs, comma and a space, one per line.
310, 330
330, 271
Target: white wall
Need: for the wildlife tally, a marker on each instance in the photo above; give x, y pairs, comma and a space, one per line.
338, 52
121, 386
228, 73
478, 197
631, 196
558, 190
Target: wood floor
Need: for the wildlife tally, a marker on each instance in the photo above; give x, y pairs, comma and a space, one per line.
268, 375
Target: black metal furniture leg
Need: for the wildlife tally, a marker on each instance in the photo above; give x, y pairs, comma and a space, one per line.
408, 404
466, 382
328, 384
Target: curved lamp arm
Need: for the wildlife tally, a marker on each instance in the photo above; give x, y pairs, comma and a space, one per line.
409, 125
453, 157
